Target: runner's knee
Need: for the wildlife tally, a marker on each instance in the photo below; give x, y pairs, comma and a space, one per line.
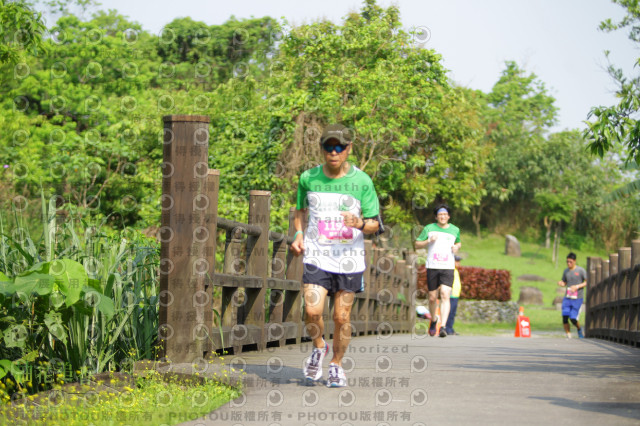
314, 313
574, 321
565, 319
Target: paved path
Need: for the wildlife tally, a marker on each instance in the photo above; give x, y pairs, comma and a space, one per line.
405, 380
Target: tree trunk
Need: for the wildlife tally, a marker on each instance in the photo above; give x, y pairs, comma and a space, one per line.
547, 237
554, 256
559, 234
476, 215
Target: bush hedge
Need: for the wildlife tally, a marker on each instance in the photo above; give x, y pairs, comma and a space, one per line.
477, 283
485, 284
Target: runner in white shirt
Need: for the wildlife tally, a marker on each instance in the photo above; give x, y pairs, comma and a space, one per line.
442, 240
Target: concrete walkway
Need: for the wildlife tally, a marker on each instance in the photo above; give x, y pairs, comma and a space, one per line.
416, 380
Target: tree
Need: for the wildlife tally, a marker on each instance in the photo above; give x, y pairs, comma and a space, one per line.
517, 113
571, 192
414, 134
618, 124
556, 208
21, 31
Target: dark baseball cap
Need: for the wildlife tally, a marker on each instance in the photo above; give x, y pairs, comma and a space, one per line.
338, 132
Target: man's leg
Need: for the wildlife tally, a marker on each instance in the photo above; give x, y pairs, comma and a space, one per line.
433, 303
433, 282
453, 301
445, 294
342, 303
314, 297
566, 312
577, 304
565, 323
433, 306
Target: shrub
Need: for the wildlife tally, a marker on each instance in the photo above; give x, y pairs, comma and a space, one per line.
485, 284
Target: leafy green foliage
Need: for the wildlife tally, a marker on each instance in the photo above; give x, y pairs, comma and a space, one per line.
93, 305
618, 125
413, 133
21, 31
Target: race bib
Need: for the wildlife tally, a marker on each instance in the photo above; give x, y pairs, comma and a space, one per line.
572, 294
441, 257
334, 232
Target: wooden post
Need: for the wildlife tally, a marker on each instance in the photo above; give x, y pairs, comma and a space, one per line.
624, 263
374, 306
635, 261
293, 299
613, 273
398, 310
257, 264
233, 298
595, 261
183, 264
634, 322
275, 331
363, 308
412, 257
211, 229
592, 313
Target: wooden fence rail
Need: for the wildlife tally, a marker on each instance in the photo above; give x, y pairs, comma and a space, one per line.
613, 296
259, 300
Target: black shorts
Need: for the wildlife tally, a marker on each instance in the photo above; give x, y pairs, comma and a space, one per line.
333, 281
438, 277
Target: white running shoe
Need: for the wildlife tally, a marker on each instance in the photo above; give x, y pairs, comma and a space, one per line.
313, 365
336, 379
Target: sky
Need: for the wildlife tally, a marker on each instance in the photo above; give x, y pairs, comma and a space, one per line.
558, 40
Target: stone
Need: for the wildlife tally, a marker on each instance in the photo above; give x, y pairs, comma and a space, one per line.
512, 246
531, 277
486, 311
530, 296
557, 302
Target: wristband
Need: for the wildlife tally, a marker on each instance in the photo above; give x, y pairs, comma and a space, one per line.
296, 234
361, 227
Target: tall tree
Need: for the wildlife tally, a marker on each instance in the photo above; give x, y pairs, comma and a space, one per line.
415, 134
618, 124
518, 112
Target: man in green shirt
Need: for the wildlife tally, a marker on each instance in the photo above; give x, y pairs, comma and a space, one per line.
342, 206
442, 240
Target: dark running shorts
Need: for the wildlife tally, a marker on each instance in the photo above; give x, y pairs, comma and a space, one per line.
333, 281
438, 277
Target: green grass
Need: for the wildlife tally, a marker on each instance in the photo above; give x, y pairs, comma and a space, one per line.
151, 401
488, 252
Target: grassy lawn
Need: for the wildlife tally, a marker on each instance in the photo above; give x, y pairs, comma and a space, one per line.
488, 252
150, 401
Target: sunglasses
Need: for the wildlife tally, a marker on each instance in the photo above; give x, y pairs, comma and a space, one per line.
337, 148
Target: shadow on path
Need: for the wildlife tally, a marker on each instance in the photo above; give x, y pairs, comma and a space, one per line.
623, 409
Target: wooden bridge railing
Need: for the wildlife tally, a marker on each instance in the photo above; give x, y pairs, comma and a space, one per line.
613, 296
260, 300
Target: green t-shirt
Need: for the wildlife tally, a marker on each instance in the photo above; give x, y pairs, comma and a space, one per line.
439, 253
329, 244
